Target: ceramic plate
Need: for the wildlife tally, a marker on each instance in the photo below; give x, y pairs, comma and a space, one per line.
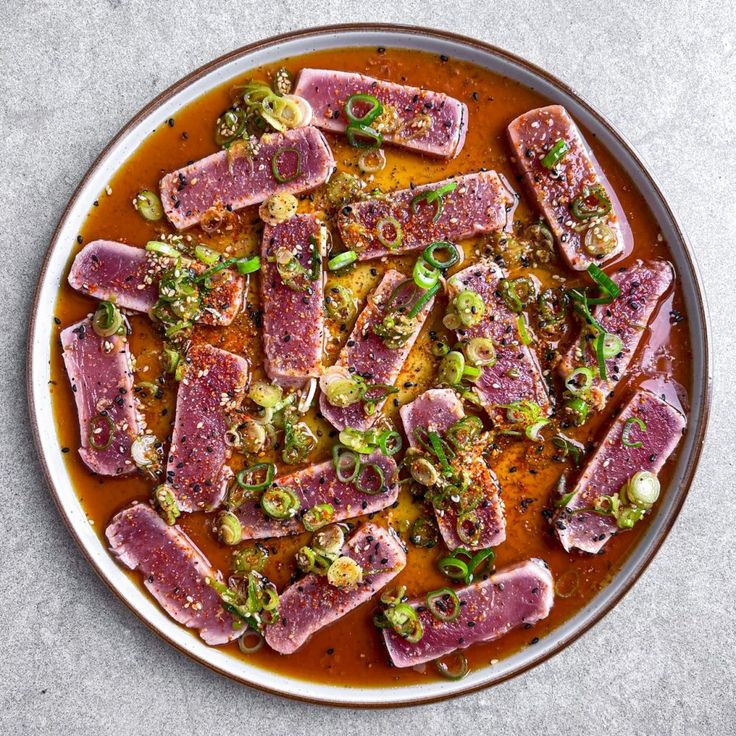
166, 105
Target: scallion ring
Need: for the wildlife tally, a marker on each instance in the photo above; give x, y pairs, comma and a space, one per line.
555, 154
346, 463
371, 486
443, 604
452, 666
372, 161
592, 202
250, 641
280, 503
107, 319
612, 345
282, 172
342, 260
101, 432
389, 233
451, 368
643, 489
375, 108
249, 473
363, 136
626, 433
425, 276
453, 568
148, 205
453, 255
481, 352
318, 516
579, 381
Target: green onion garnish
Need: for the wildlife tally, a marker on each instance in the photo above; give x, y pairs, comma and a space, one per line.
556, 154
608, 287
626, 433
443, 604
423, 299
524, 334
425, 276
346, 463
434, 196
583, 209
280, 503
101, 432
371, 486
318, 516
389, 233
248, 474
579, 381
280, 159
363, 136
450, 249
374, 110
342, 260
452, 666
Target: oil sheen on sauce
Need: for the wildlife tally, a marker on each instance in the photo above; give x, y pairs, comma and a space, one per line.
350, 652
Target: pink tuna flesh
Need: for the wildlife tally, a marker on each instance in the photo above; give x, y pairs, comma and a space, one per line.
516, 374
478, 205
319, 485
532, 135
173, 570
129, 277
518, 595
366, 353
293, 320
613, 464
300, 156
101, 375
420, 120
211, 389
642, 287
312, 603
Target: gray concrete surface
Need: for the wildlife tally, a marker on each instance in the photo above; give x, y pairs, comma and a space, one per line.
73, 660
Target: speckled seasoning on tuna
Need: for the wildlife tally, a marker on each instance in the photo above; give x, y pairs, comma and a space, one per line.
129, 277
516, 374
613, 464
101, 376
239, 181
518, 595
414, 118
293, 321
319, 484
436, 410
311, 603
642, 287
366, 354
532, 135
478, 205
212, 387
173, 570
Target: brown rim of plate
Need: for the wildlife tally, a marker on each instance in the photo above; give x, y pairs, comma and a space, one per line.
703, 346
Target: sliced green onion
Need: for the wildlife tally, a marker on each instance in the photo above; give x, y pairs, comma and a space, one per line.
101, 432
453, 256
343, 390
107, 319
464, 432
569, 447
206, 255
451, 368
533, 430
469, 307
228, 528
555, 154
471, 373
265, 394
344, 572
643, 489
230, 126
248, 559
278, 161
524, 334
280, 503
579, 381
389, 442
248, 265
425, 276
342, 260
162, 249
582, 207
578, 409
357, 440
424, 532
600, 240
626, 434
250, 641
340, 303
363, 136
552, 306
249, 473
374, 110
346, 463
452, 666
423, 299
612, 345
607, 285
384, 227
435, 196
423, 471
371, 486
440, 349
148, 205
517, 293
453, 568
600, 347
480, 351
372, 161
404, 620
443, 604
164, 499
318, 516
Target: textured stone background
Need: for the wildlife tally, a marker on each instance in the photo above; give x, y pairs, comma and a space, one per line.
74, 659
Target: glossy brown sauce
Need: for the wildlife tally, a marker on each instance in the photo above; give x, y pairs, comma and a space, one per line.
350, 651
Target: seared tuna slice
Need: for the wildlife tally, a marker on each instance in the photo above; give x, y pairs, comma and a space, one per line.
414, 118
293, 318
518, 595
312, 603
212, 387
129, 276
173, 570
574, 195
284, 163
437, 410
101, 374
642, 287
319, 485
614, 463
478, 205
366, 354
434, 410
516, 374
